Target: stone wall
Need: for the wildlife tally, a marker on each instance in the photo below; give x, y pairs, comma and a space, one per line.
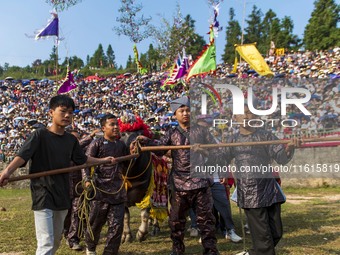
316, 161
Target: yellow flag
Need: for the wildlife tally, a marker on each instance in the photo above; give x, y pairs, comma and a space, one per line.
140, 67
280, 51
235, 65
253, 57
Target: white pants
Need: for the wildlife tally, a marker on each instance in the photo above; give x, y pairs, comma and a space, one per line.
48, 229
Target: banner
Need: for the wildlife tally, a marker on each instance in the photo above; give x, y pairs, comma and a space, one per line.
68, 84
253, 57
235, 64
140, 67
206, 63
280, 51
51, 29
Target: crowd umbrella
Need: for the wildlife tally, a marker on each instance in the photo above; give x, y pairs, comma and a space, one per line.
147, 84
328, 116
151, 119
299, 116
19, 118
147, 90
160, 109
99, 116
32, 122
87, 111
173, 123
38, 125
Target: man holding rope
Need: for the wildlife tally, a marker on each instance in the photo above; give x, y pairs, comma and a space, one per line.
48, 149
107, 202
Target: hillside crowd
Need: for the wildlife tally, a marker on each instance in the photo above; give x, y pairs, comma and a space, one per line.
25, 107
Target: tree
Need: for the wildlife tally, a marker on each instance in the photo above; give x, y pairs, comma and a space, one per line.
129, 63
285, 38
270, 30
322, 31
60, 5
172, 37
111, 57
37, 63
98, 59
73, 63
131, 26
54, 55
254, 28
233, 36
195, 42
154, 59
144, 59
6, 66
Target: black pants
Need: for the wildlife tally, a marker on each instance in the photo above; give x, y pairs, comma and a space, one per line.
201, 200
100, 213
265, 228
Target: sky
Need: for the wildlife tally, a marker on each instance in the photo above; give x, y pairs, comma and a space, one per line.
91, 22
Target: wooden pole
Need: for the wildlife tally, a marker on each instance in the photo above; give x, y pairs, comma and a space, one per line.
161, 148
207, 146
68, 169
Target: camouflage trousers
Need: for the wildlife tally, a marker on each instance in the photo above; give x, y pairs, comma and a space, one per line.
201, 201
100, 213
71, 223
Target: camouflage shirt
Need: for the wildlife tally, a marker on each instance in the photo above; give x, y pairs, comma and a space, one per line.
108, 179
257, 189
184, 161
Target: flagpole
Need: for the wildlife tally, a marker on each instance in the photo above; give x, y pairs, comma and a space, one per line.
56, 61
243, 18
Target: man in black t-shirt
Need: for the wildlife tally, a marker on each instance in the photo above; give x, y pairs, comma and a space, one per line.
48, 149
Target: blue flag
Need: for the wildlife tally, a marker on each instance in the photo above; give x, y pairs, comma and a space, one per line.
51, 29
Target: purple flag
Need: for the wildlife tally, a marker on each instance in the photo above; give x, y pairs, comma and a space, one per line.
52, 28
183, 69
68, 84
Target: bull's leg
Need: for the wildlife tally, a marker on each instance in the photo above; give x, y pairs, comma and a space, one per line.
143, 229
155, 227
127, 235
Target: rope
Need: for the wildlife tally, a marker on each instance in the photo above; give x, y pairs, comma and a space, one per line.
84, 208
88, 194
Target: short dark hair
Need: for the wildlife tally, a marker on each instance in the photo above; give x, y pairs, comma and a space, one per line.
105, 118
62, 100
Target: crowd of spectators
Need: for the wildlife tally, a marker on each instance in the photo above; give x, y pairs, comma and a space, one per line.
24, 107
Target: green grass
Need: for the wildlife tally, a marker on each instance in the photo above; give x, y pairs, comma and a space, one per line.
311, 226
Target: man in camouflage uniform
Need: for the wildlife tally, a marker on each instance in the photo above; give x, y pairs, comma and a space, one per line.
186, 191
72, 221
110, 194
258, 193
